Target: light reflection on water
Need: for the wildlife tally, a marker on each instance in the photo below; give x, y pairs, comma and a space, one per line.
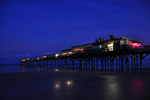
56, 69
112, 87
137, 88
57, 85
69, 82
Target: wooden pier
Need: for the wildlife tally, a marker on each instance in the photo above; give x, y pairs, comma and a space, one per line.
122, 59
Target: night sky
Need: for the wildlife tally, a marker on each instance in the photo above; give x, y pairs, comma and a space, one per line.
33, 28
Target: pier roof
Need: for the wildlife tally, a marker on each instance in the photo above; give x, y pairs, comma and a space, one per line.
107, 41
131, 39
66, 50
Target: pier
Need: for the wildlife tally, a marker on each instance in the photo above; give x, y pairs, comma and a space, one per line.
116, 54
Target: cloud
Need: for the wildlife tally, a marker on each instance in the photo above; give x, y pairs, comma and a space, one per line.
45, 53
28, 55
9, 56
15, 56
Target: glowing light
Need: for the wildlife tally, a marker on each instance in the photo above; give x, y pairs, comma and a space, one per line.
110, 47
63, 54
136, 44
69, 82
38, 58
56, 69
69, 53
43, 56
23, 60
56, 55
57, 85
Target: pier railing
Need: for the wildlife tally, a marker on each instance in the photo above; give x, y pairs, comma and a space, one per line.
120, 48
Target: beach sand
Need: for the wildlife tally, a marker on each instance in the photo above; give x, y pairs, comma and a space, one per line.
74, 86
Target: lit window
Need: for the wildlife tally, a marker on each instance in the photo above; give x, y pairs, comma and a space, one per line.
110, 47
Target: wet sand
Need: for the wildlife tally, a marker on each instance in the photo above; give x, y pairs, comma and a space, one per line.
74, 86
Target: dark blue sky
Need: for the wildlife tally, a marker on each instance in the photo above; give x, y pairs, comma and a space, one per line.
32, 28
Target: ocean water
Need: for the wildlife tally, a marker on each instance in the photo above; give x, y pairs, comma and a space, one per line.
86, 85
13, 68
10, 68
71, 84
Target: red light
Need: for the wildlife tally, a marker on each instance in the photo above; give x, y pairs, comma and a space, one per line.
136, 44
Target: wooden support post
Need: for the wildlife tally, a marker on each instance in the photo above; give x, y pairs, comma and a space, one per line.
43, 63
76, 63
60, 63
36, 63
113, 64
141, 62
55, 63
132, 62
105, 64
126, 63
66, 64
46, 63
119, 64
102, 65
116, 63
141, 65
91, 64
80, 64
137, 62
49, 63
108, 64
86, 63
94, 63
73, 65
97, 64
122, 62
